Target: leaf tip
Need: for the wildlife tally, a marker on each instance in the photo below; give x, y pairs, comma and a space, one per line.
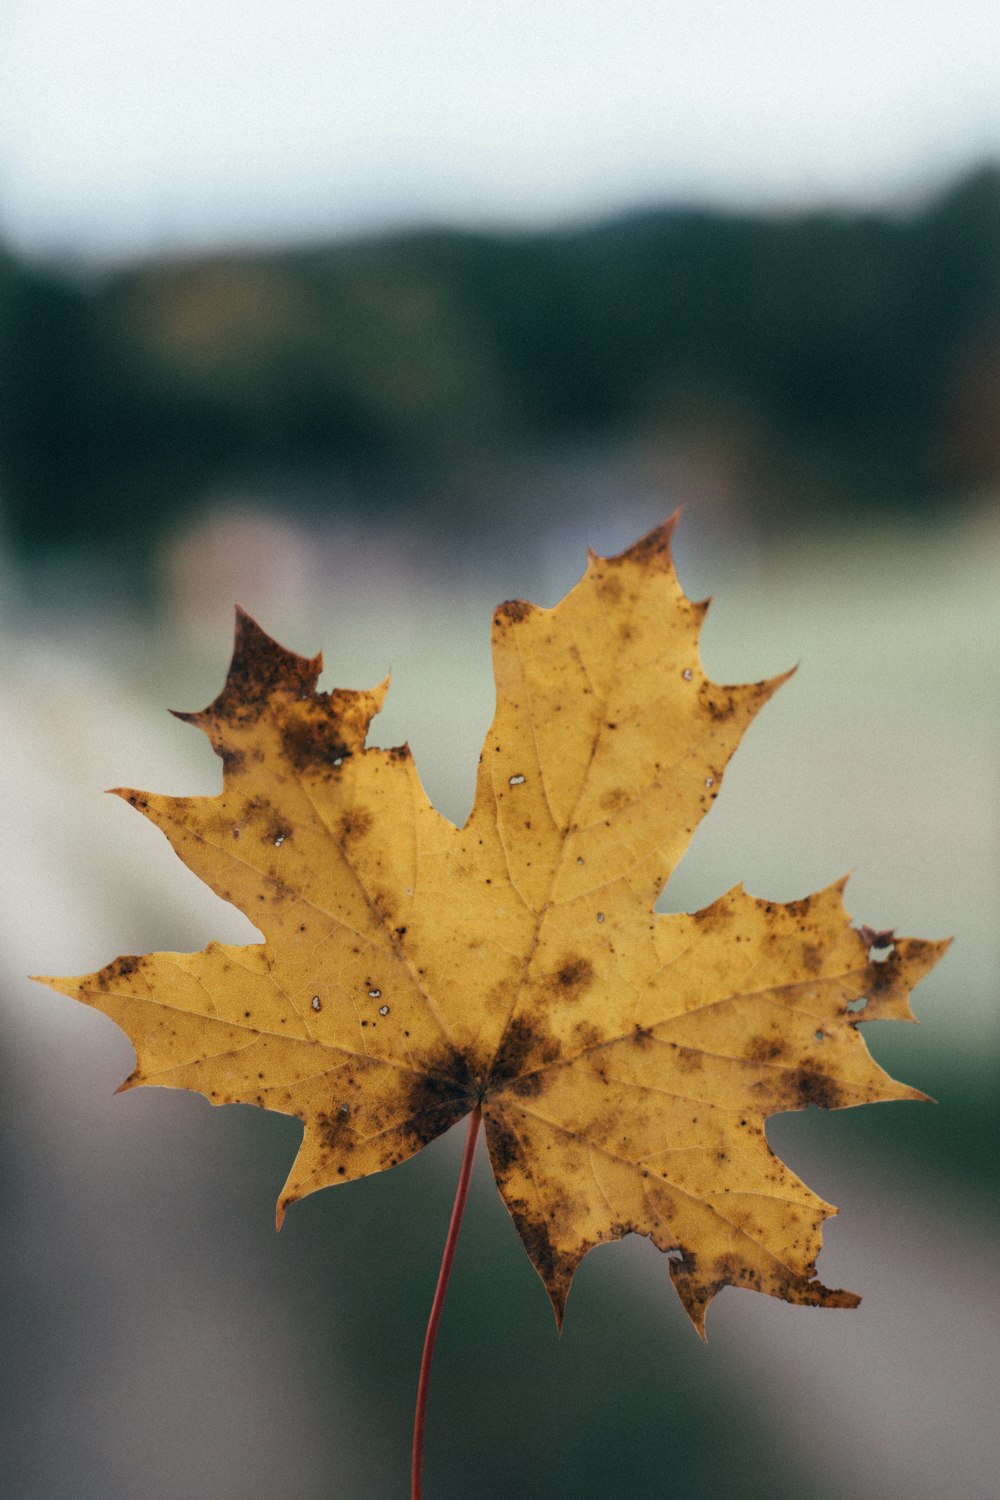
136, 799
653, 547
557, 1297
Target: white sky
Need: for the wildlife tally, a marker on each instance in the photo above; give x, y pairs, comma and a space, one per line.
128, 125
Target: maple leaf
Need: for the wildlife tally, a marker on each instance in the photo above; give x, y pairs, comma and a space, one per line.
624, 1062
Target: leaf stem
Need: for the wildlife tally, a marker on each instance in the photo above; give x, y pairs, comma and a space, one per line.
450, 1244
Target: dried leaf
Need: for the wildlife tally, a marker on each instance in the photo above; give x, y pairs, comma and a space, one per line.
625, 1062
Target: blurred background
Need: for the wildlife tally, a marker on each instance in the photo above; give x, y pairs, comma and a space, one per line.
369, 316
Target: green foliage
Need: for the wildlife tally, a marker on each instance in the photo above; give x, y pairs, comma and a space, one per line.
848, 357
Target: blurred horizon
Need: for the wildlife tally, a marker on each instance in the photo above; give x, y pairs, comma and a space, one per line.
794, 372
182, 235
126, 131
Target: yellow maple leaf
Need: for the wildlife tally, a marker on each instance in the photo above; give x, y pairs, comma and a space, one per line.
413, 972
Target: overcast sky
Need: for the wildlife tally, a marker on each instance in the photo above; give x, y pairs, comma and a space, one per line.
132, 125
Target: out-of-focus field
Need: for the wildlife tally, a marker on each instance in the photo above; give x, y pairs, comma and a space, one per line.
161, 1341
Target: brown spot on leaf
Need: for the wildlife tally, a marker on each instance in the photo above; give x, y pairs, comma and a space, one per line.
513, 611
587, 1035
609, 587
553, 1265
812, 958
524, 1047
764, 1049
119, 968
528, 1085
505, 1150
799, 908
878, 939
437, 1096
332, 1128
720, 708
259, 669
573, 976
313, 743
653, 548
884, 975
816, 1088
355, 824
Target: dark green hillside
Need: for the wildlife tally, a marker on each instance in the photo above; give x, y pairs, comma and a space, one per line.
839, 364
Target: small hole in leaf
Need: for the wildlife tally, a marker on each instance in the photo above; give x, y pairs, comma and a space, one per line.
383, 1010
516, 781
819, 1035
600, 916
855, 1005
879, 951
375, 994
687, 674
709, 780
316, 1003
579, 859
280, 839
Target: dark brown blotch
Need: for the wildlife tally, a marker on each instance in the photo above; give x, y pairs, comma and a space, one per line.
504, 1147
119, 968
437, 1096
884, 974
259, 669
720, 709
513, 611
528, 1085
332, 1129
524, 1048
574, 975
554, 1267
313, 744
816, 1088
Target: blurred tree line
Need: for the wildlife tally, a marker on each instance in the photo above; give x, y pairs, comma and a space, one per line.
835, 364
